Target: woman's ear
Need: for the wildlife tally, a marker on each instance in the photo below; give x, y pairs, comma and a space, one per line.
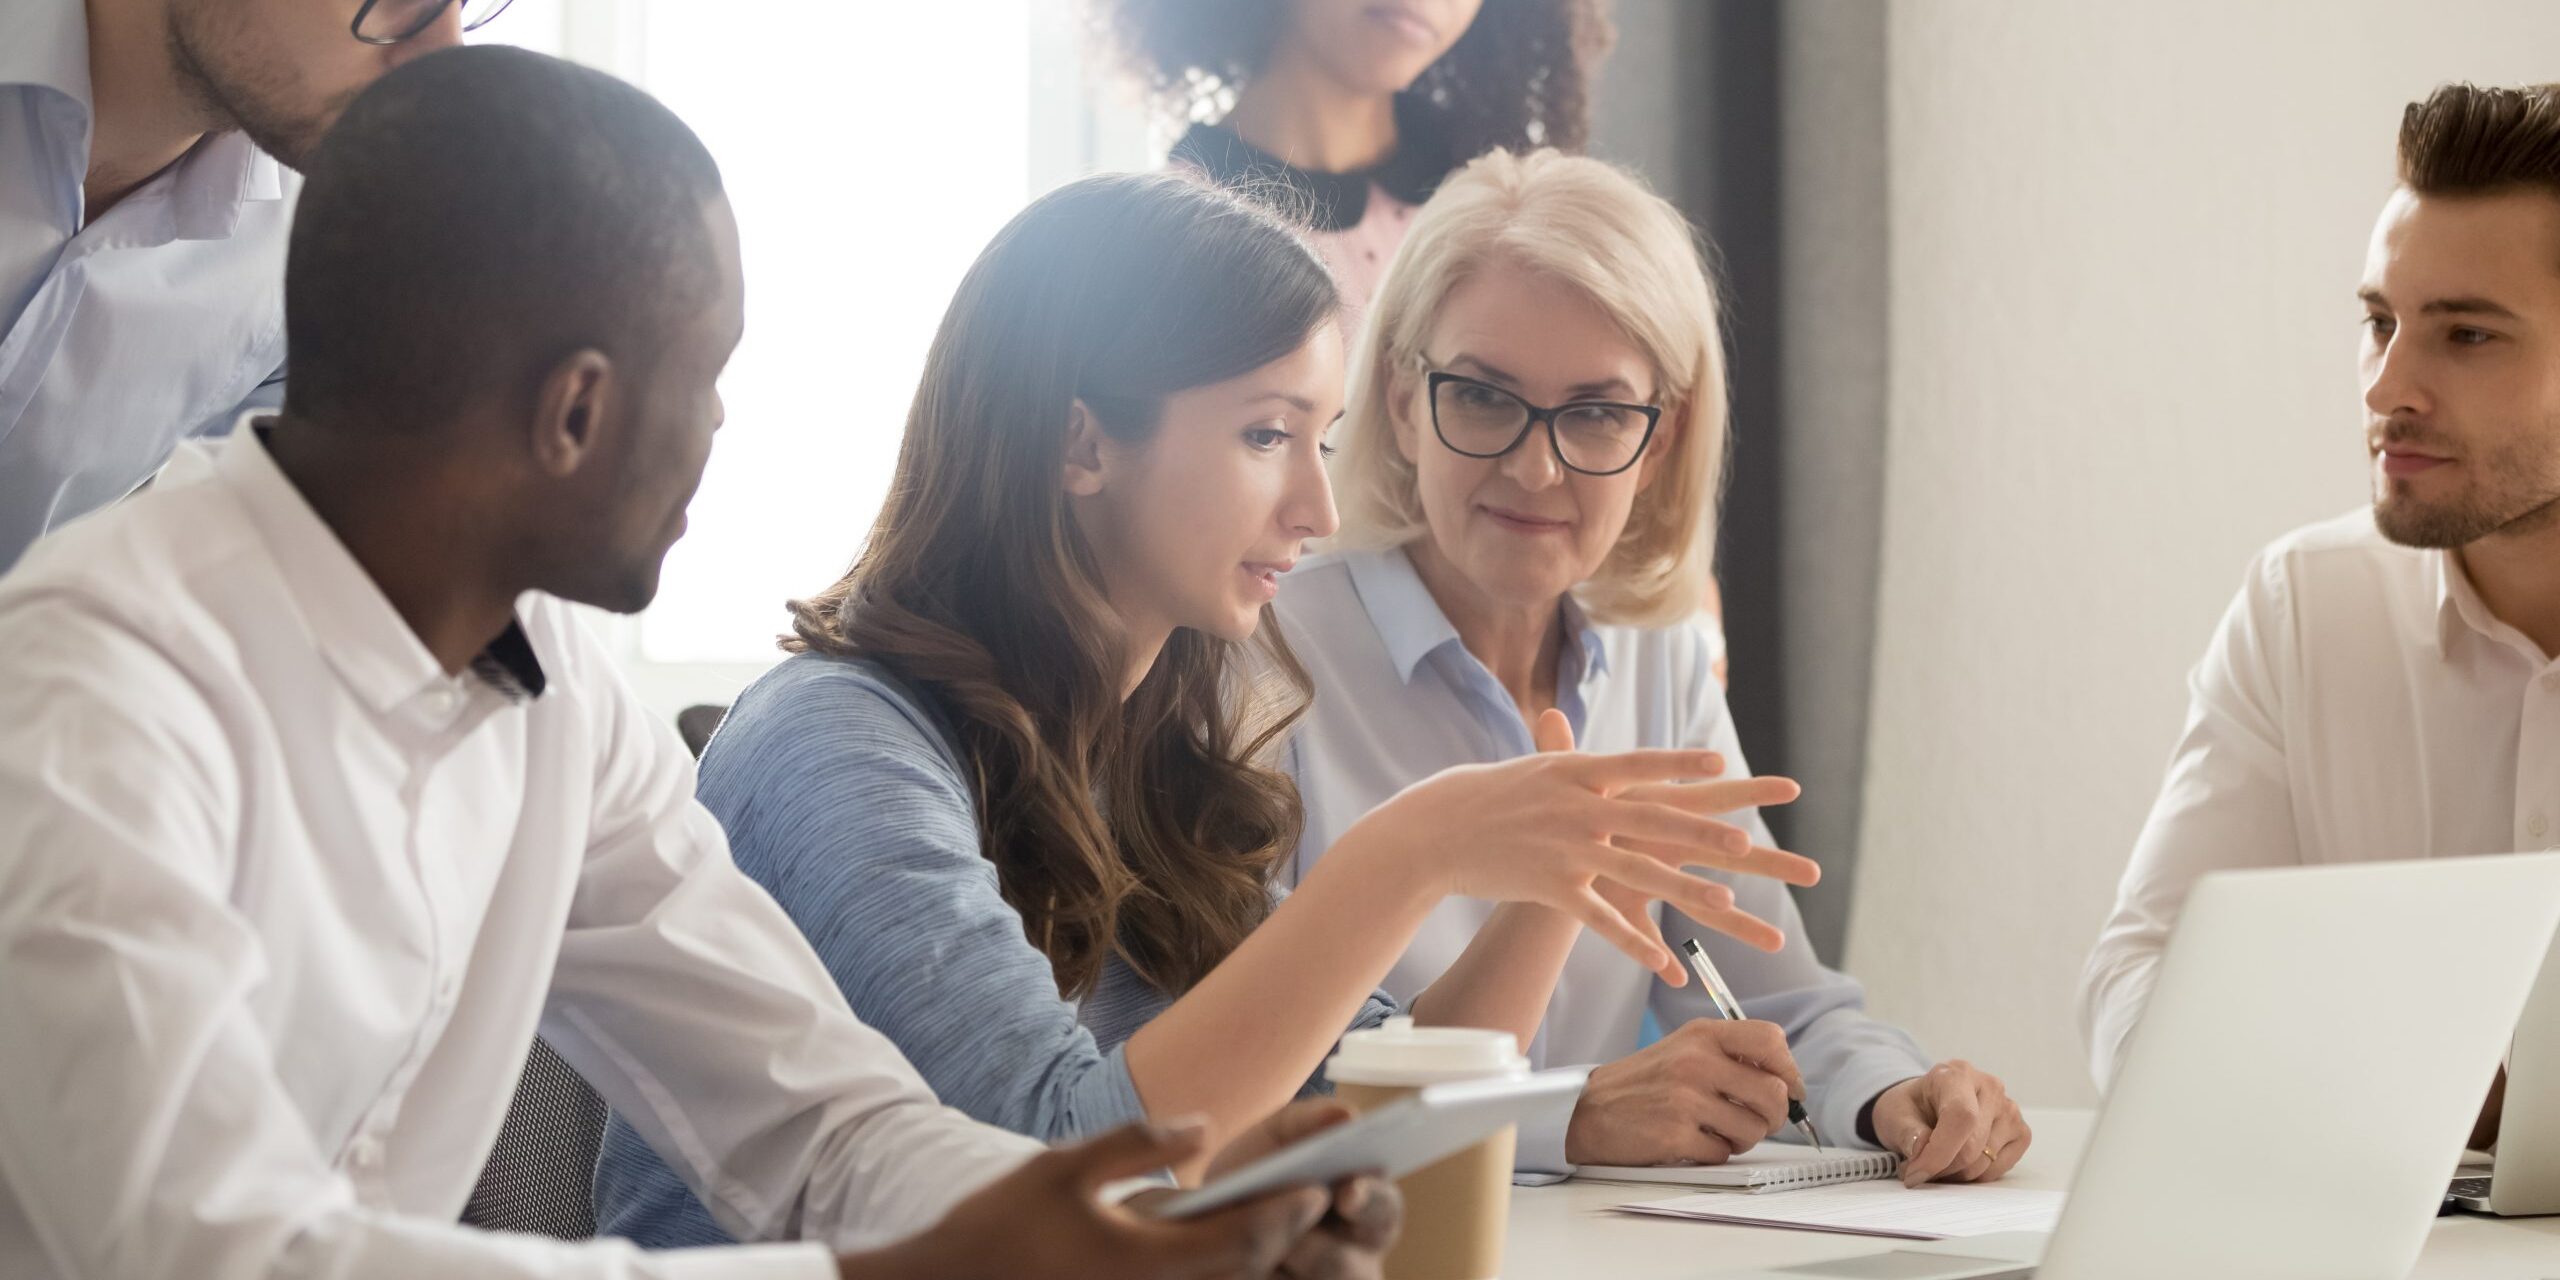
1665, 442
1404, 409
1084, 468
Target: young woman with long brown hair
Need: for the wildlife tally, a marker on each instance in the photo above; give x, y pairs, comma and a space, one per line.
1016, 782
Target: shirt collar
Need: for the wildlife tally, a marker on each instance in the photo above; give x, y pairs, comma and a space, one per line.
2459, 608
354, 625
1332, 201
223, 173
2456, 603
45, 44
217, 177
1413, 627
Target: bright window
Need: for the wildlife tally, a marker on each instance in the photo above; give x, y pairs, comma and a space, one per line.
870, 151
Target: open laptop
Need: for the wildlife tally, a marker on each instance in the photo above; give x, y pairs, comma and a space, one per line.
2523, 1177
2315, 1050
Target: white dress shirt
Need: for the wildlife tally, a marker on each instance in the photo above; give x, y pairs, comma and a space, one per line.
2359, 703
283, 905
1399, 698
119, 336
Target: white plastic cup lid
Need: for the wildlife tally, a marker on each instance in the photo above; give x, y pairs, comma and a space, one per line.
1400, 1053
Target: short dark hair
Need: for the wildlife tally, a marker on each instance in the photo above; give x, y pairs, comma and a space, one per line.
2464, 139
475, 216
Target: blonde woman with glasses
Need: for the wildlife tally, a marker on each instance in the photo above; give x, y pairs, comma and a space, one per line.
1527, 484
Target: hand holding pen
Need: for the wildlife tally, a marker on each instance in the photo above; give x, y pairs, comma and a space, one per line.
1710, 1089
1722, 997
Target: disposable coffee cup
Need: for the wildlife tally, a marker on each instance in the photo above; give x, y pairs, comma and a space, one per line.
1455, 1210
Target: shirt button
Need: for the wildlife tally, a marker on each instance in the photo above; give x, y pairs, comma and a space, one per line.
2536, 826
367, 1151
2551, 682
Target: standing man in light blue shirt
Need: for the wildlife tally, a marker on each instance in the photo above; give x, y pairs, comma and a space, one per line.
144, 203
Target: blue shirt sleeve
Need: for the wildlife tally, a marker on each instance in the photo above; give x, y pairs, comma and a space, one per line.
842, 798
267, 397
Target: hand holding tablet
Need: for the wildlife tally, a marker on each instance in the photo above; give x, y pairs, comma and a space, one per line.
1393, 1140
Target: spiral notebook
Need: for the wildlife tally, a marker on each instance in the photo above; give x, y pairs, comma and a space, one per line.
1768, 1167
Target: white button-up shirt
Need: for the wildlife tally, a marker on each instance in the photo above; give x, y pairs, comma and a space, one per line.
1399, 698
2359, 703
283, 905
119, 336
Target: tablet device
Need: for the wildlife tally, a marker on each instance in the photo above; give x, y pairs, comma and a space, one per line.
1394, 1140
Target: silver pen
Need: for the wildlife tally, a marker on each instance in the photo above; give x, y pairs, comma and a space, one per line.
1721, 996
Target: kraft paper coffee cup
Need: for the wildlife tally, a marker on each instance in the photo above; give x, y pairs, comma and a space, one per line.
1454, 1211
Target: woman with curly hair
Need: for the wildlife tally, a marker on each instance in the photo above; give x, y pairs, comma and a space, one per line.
1350, 112
1017, 784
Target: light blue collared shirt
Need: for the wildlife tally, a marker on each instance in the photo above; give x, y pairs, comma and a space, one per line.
1398, 698
161, 319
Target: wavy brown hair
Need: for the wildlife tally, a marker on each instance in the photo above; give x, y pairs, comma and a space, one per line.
1147, 827
1518, 79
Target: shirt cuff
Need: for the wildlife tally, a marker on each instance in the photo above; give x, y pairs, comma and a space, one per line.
1835, 1108
1540, 1148
1374, 1013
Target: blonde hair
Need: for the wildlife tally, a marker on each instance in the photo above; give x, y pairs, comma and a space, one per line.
1597, 228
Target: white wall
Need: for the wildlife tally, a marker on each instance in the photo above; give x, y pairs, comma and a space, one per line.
2124, 241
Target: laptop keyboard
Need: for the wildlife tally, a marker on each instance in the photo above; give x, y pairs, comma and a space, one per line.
2469, 1187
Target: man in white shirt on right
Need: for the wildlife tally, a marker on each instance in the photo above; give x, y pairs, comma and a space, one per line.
2384, 686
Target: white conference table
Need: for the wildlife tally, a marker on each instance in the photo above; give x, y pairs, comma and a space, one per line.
1568, 1231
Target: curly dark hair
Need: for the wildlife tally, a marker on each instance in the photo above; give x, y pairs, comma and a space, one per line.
1516, 80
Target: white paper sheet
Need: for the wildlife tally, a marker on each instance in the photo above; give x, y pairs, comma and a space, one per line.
1939, 1211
